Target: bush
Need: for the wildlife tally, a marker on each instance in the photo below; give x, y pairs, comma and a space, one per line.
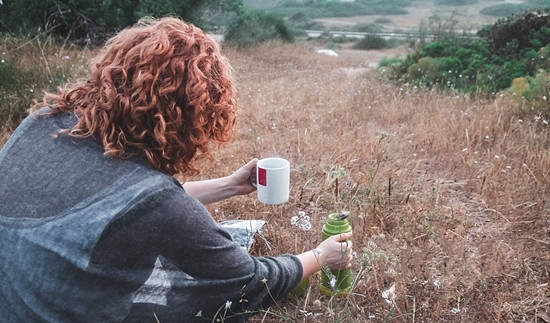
252, 28
390, 62
301, 21
535, 91
515, 35
371, 42
368, 28
512, 48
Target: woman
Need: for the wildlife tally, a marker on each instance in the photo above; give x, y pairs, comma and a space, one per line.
89, 204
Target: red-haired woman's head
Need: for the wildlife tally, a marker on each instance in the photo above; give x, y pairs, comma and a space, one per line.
160, 89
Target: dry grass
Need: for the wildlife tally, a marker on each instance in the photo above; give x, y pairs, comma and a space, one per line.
448, 195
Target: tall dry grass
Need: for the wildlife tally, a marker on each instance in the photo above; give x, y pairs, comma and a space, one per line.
448, 195
29, 66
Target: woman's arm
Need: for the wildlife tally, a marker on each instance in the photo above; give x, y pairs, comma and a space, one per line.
214, 190
335, 252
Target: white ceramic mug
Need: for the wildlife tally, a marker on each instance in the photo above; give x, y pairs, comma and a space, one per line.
273, 180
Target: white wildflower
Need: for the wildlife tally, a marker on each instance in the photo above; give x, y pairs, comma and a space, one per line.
332, 281
302, 221
306, 313
228, 305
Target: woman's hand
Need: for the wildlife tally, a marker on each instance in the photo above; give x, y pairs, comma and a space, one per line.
217, 189
336, 252
243, 178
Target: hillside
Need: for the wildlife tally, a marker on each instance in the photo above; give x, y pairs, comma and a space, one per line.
468, 16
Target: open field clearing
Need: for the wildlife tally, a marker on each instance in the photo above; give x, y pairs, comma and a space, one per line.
448, 194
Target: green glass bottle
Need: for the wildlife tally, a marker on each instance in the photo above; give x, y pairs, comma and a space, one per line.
339, 282
302, 288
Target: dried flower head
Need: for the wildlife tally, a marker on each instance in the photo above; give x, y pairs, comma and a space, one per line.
302, 221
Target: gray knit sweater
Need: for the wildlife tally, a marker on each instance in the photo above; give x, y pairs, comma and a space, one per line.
80, 233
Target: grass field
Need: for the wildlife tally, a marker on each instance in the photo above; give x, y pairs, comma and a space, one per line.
448, 194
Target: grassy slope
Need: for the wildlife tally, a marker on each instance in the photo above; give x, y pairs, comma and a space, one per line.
448, 194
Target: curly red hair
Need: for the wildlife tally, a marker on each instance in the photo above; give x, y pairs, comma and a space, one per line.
160, 89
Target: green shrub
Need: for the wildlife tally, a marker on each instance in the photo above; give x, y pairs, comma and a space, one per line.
368, 28
371, 42
512, 48
534, 90
252, 28
390, 62
513, 36
301, 20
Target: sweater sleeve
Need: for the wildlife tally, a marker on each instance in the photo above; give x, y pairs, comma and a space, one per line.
211, 276
196, 244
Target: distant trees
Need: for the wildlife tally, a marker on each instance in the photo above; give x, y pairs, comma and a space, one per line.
90, 23
252, 28
511, 48
86, 20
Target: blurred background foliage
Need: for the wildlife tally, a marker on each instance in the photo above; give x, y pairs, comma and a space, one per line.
91, 22
510, 55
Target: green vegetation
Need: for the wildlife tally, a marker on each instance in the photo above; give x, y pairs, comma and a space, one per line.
79, 20
252, 28
301, 21
375, 42
508, 9
513, 51
327, 8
